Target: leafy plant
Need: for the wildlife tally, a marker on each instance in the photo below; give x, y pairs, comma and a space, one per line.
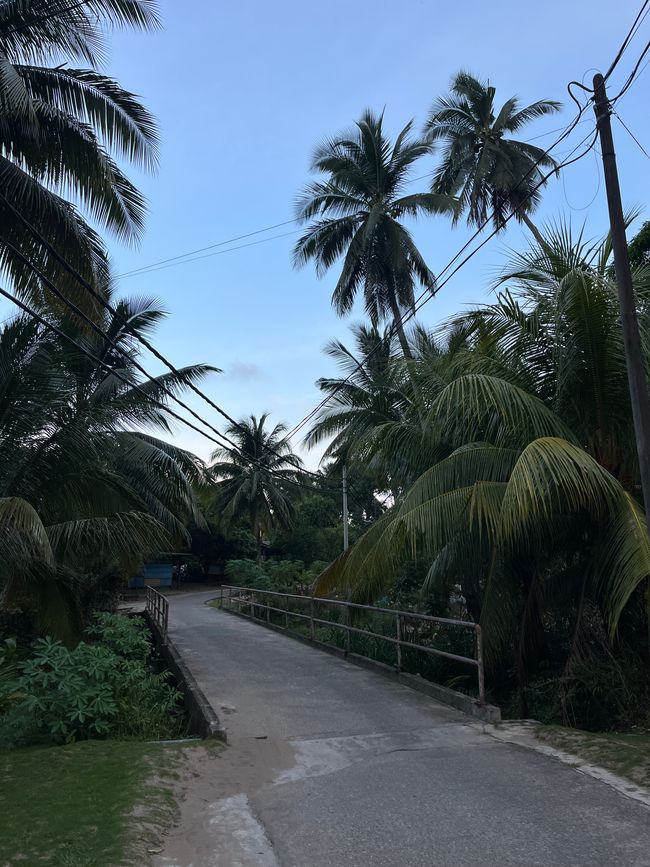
98, 689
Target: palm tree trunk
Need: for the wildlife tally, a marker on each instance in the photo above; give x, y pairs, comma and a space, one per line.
408, 355
258, 542
533, 229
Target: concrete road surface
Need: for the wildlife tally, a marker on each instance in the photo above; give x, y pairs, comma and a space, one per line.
331, 765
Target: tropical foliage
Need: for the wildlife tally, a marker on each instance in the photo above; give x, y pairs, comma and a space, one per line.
62, 129
532, 514
490, 173
256, 481
357, 211
85, 485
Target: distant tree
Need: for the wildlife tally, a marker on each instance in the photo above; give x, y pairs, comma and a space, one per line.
639, 247
255, 482
488, 171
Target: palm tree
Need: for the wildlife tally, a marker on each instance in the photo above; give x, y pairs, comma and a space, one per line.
374, 412
356, 213
59, 127
256, 482
85, 485
488, 171
534, 513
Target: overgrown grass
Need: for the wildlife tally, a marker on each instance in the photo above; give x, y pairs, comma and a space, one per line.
88, 804
626, 754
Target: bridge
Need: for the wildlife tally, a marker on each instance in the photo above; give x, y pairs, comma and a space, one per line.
333, 765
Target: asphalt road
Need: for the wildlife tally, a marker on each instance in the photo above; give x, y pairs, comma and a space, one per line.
331, 765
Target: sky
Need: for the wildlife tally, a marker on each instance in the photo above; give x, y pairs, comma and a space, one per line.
243, 92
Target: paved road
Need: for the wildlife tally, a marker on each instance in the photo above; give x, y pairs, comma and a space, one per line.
330, 765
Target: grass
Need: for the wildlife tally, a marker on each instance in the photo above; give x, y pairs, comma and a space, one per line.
626, 754
89, 804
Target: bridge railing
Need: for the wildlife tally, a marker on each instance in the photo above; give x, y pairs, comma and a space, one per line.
407, 630
158, 610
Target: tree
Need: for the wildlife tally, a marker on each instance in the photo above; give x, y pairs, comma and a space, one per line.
488, 172
84, 484
257, 481
534, 514
60, 129
639, 247
356, 213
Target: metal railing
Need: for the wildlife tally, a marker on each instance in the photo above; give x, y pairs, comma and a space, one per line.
409, 628
158, 609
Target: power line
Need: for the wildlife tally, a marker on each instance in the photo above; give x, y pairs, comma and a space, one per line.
632, 77
631, 134
122, 320
636, 24
210, 255
154, 265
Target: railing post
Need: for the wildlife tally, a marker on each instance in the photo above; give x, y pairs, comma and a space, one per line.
311, 618
239, 601
398, 635
286, 613
268, 609
348, 634
479, 659
221, 598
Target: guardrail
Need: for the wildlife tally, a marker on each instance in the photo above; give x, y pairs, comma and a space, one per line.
410, 629
158, 609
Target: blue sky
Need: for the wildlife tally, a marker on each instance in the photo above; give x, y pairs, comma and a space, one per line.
243, 91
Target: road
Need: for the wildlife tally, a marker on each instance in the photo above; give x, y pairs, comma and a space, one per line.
332, 765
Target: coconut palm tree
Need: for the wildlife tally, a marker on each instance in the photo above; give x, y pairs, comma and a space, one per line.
374, 412
85, 484
356, 213
488, 171
61, 128
256, 482
534, 513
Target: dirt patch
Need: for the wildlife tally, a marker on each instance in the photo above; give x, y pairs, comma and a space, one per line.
625, 754
208, 777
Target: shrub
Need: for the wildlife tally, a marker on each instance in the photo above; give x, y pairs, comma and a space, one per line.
245, 573
99, 689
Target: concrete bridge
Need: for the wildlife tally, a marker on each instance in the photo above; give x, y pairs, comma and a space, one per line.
331, 765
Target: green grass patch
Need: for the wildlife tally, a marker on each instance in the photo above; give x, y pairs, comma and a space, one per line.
624, 753
88, 804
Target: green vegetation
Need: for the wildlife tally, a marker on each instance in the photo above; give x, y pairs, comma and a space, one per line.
104, 687
626, 754
255, 482
62, 127
524, 497
89, 804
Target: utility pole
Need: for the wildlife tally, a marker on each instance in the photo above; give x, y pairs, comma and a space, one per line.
345, 509
631, 337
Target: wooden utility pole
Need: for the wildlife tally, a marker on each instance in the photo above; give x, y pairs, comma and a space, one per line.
345, 509
631, 336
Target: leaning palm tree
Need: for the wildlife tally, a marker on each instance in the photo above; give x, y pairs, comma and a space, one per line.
490, 172
85, 483
357, 212
256, 481
61, 129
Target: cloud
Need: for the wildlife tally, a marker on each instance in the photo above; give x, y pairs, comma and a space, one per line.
245, 372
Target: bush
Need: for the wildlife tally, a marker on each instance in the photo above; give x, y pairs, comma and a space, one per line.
245, 573
99, 689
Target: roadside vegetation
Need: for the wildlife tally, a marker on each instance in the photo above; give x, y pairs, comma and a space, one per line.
491, 460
